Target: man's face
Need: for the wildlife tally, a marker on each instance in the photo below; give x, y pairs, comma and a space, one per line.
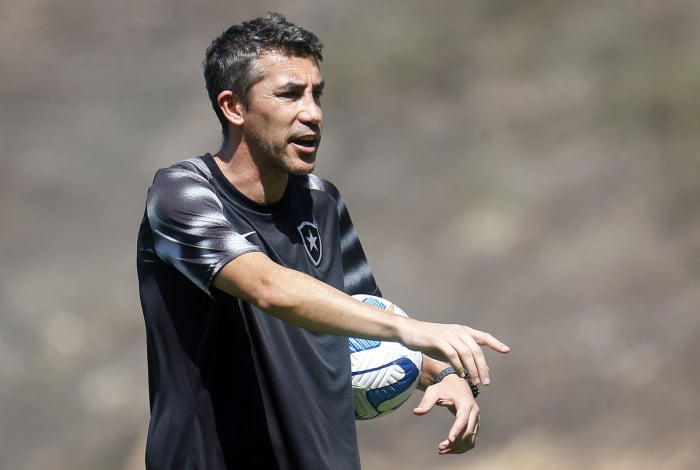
283, 119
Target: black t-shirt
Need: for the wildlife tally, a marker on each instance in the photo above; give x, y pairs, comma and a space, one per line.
231, 386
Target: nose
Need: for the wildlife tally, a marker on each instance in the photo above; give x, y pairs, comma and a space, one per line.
311, 112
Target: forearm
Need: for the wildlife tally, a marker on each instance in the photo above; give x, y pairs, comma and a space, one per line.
302, 300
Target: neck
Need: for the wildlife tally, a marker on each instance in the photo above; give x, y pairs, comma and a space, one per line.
240, 169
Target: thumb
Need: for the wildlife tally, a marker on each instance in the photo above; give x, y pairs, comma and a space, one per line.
426, 403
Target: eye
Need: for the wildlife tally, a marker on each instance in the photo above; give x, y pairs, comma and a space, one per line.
318, 91
290, 95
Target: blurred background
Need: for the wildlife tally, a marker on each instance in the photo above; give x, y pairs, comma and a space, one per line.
528, 168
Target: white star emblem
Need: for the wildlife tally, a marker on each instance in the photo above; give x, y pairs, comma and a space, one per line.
312, 241
311, 237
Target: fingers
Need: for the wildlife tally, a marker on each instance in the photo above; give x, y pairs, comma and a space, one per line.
476, 365
453, 393
464, 440
457, 344
472, 356
460, 426
468, 356
487, 339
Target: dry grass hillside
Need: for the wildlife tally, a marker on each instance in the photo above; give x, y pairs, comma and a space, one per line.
528, 168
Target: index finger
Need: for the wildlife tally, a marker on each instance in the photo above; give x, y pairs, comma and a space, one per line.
487, 339
459, 427
465, 438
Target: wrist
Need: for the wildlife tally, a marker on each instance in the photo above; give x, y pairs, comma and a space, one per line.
449, 371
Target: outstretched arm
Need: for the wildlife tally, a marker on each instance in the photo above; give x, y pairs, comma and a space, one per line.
304, 301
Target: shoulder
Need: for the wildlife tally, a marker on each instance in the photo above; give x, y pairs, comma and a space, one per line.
192, 170
185, 182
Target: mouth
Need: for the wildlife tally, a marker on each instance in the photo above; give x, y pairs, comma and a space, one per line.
307, 141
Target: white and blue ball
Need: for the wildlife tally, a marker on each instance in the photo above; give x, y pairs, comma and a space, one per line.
384, 374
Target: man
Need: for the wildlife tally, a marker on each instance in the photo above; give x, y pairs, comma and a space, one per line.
246, 262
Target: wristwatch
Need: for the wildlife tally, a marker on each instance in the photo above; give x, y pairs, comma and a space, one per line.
451, 370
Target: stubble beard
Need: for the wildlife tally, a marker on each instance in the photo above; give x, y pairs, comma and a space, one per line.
275, 157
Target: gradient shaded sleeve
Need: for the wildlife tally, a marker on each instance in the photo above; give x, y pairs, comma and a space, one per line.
357, 274
190, 230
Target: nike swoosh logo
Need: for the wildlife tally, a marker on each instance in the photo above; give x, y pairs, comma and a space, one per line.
246, 235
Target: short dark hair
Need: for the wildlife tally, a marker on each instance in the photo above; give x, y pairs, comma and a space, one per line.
231, 58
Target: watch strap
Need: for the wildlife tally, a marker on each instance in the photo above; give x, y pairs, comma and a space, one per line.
451, 370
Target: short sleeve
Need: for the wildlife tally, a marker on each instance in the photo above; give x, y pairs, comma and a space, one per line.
190, 230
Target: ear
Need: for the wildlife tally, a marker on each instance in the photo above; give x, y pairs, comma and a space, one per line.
231, 107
